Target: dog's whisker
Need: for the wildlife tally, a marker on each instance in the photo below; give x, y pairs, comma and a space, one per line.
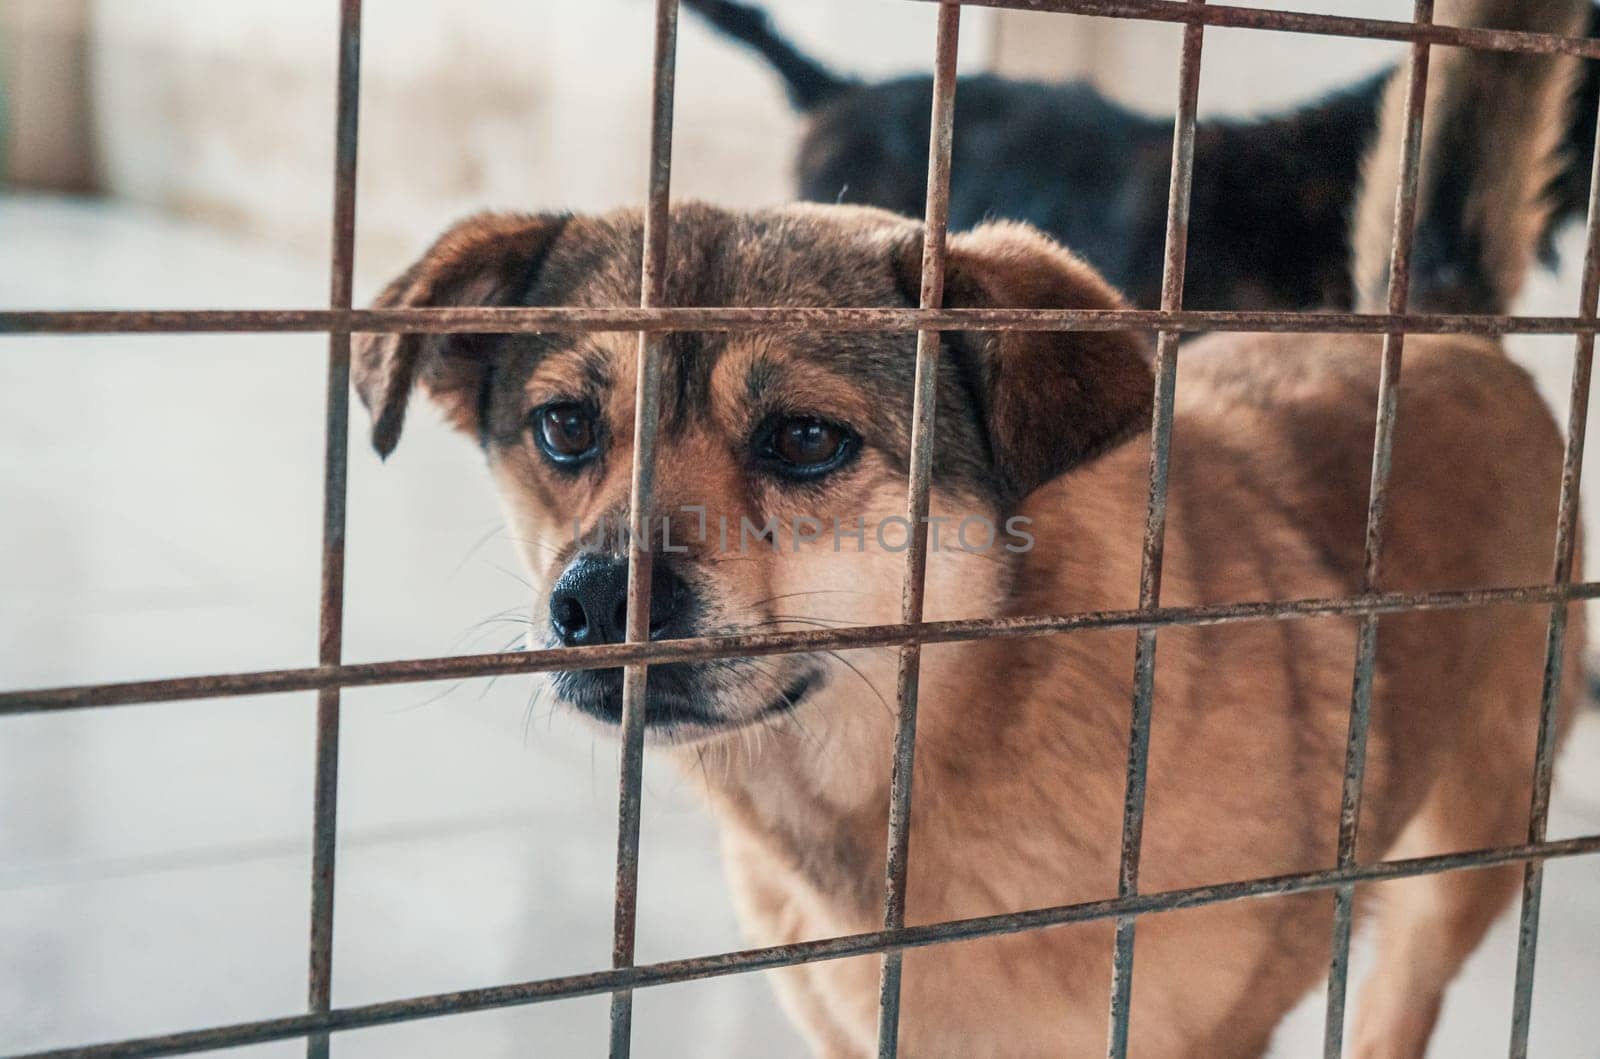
451, 688
842, 660
478, 626
523, 622
494, 531
540, 696
535, 542
514, 576
808, 594
721, 559
811, 617
765, 670
431, 699
492, 681
815, 623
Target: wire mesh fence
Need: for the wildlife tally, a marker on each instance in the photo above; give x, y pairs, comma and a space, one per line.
653, 318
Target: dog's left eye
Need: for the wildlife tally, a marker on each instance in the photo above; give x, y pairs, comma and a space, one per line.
565, 432
804, 446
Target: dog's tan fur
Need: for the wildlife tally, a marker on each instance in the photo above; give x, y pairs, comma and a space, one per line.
1022, 743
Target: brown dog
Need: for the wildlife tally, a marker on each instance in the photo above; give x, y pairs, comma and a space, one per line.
780, 488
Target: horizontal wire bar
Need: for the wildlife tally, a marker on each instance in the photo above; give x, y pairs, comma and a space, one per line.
1240, 17
553, 319
762, 959
461, 667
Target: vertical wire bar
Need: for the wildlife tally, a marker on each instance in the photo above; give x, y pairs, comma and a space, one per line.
330, 638
1355, 761
925, 400
1556, 636
647, 391
1144, 663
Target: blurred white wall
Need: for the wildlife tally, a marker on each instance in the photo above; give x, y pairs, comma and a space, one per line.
226, 111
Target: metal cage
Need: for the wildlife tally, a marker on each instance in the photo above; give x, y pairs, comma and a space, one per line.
652, 319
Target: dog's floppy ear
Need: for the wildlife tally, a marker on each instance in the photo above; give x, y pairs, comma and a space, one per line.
1047, 400
489, 259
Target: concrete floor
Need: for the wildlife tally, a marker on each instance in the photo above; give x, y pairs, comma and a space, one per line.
159, 515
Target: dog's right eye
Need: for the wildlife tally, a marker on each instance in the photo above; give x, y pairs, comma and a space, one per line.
565, 432
803, 448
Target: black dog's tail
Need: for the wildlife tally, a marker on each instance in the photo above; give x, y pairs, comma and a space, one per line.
1491, 141
1571, 191
808, 81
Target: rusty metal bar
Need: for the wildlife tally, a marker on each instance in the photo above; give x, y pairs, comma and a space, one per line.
335, 467
647, 409
461, 667
914, 584
1155, 527
1355, 761
1241, 17
1556, 635
553, 319
702, 967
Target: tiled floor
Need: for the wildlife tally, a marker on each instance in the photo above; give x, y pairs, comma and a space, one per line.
159, 511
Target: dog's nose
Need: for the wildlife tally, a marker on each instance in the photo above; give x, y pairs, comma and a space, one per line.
589, 604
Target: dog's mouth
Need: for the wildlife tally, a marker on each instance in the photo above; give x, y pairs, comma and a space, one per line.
674, 707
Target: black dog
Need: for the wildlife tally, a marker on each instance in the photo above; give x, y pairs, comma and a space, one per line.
1271, 199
